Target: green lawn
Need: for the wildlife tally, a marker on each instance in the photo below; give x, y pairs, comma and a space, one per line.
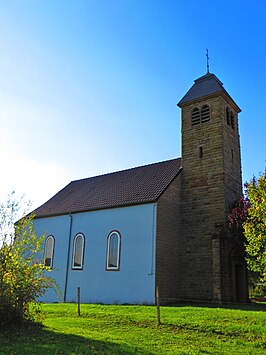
133, 330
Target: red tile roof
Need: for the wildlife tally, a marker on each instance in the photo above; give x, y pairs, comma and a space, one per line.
128, 187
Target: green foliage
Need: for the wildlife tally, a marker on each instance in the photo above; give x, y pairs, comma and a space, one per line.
255, 227
256, 288
132, 330
22, 277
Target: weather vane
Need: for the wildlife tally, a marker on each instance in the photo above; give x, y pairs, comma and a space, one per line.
207, 56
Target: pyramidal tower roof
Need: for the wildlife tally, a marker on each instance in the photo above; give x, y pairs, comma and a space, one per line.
206, 85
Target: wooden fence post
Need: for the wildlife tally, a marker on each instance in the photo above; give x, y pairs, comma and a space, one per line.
158, 307
78, 301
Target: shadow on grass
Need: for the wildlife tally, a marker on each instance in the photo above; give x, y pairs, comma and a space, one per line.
240, 306
36, 339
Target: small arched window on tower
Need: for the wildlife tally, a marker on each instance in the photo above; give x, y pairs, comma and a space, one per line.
49, 251
232, 120
228, 116
205, 113
195, 116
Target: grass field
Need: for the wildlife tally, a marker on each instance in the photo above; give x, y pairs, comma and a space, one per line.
133, 330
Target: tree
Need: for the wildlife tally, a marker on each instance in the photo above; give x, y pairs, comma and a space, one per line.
248, 218
255, 227
22, 274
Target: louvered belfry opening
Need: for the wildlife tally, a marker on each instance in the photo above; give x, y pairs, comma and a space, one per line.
205, 113
228, 116
232, 121
200, 116
195, 116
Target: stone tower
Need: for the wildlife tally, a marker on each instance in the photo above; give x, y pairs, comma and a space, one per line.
213, 259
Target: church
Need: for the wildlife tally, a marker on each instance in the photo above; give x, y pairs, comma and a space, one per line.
119, 237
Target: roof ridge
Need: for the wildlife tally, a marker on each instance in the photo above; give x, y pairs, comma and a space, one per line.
123, 170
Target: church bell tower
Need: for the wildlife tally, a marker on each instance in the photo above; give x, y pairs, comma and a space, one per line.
214, 267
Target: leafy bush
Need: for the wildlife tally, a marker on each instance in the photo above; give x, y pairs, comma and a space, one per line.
248, 219
256, 288
255, 227
22, 274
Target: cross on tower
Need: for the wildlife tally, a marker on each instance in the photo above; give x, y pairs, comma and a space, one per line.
207, 56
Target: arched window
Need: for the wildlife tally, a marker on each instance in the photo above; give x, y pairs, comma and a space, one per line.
78, 251
195, 116
205, 113
49, 251
200, 116
232, 120
113, 251
228, 116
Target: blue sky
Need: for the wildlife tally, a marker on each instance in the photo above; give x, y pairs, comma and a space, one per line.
91, 86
